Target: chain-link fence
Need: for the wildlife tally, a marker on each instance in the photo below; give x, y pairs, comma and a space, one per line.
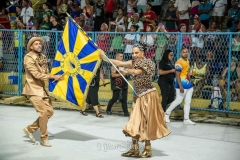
214, 57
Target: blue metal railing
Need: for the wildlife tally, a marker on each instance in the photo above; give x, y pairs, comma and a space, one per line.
56, 35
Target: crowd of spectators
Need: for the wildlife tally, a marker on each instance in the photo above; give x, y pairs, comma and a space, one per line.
138, 16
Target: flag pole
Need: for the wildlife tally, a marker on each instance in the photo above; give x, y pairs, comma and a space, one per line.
120, 74
104, 54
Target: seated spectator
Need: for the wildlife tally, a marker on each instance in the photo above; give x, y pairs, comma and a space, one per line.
4, 19
136, 21
149, 39
233, 17
103, 38
82, 16
234, 78
148, 16
131, 39
75, 10
170, 16
46, 24
18, 11
201, 73
55, 25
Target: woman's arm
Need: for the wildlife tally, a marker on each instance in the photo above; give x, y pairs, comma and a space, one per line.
132, 71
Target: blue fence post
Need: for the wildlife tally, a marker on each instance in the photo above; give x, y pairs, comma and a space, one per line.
179, 44
229, 70
56, 41
20, 60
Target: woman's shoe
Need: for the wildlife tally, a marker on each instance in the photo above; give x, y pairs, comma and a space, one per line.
133, 152
147, 152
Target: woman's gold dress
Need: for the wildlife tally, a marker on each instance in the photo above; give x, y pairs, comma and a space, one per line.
147, 119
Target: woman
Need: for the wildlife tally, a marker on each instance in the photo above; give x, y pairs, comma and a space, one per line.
147, 119
121, 20
234, 78
149, 39
88, 11
201, 73
166, 78
130, 39
4, 19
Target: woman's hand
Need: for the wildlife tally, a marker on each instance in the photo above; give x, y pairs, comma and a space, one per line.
102, 54
181, 90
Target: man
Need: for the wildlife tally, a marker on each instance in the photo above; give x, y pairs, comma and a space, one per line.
204, 12
183, 8
149, 16
26, 13
92, 97
55, 25
119, 88
184, 87
35, 64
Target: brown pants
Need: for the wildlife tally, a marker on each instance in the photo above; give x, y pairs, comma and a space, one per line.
44, 109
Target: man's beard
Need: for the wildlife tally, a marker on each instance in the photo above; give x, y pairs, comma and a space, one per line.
37, 51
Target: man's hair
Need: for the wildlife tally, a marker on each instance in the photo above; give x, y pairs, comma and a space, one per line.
117, 53
26, 1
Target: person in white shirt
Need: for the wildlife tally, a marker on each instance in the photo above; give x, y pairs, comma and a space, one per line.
183, 8
136, 21
26, 13
131, 39
141, 6
219, 9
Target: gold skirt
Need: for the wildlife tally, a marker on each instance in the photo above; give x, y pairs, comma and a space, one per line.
147, 119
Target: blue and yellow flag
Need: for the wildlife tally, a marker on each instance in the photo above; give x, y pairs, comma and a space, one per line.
77, 59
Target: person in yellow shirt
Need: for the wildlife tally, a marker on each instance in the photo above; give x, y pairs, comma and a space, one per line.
183, 86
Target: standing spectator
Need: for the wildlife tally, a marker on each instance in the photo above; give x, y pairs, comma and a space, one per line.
4, 19
166, 77
27, 13
141, 6
234, 16
157, 7
148, 16
219, 9
184, 87
131, 4
119, 88
183, 8
170, 17
55, 25
136, 21
75, 9
204, 12
109, 8
99, 15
